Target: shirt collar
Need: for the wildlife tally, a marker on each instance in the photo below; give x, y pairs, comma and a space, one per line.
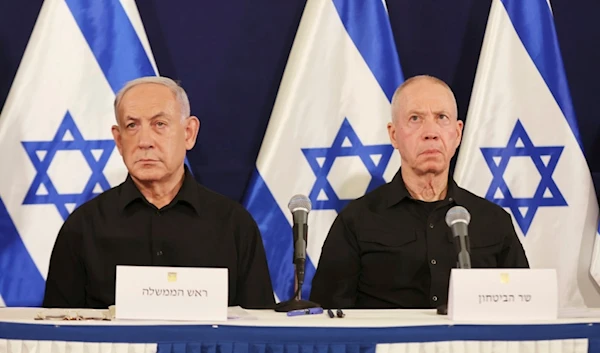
398, 192
188, 193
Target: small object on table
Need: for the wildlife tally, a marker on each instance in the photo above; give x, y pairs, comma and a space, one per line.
309, 311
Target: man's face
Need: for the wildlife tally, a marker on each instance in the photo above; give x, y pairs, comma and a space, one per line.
425, 129
151, 135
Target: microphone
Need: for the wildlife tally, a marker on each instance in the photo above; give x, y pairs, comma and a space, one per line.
458, 218
300, 206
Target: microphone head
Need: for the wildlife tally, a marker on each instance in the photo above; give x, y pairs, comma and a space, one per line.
457, 214
299, 202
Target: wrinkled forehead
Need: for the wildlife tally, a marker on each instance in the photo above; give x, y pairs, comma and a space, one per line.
425, 95
147, 92
146, 100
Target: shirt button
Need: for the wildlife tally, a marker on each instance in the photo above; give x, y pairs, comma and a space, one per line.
158, 213
450, 199
433, 262
434, 298
431, 225
159, 253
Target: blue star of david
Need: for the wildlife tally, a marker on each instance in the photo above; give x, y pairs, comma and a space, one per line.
545, 169
42, 162
338, 149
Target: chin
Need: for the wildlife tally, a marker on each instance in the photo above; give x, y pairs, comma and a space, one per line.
432, 168
148, 174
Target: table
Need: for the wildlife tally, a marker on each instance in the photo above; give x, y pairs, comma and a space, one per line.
361, 331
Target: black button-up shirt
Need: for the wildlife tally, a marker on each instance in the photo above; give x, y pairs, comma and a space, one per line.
199, 228
388, 250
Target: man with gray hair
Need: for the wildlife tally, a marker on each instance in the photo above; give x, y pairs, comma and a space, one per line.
160, 216
392, 248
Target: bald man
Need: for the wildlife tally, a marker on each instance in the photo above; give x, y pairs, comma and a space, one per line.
392, 248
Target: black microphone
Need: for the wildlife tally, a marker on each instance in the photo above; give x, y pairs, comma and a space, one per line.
300, 206
458, 218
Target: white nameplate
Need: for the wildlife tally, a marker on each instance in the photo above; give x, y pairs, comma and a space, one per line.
502, 294
171, 293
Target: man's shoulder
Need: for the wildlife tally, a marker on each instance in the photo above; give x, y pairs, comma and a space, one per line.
218, 201
99, 206
219, 205
106, 200
371, 200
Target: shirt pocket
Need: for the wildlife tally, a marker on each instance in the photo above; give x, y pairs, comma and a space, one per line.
485, 248
389, 258
385, 239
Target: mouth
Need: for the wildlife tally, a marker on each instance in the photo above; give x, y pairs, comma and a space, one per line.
430, 151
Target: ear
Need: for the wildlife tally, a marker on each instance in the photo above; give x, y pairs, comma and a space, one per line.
192, 126
392, 133
117, 137
459, 131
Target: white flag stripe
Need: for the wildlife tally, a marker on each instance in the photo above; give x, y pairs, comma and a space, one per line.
509, 88
20, 118
327, 130
359, 98
131, 10
56, 126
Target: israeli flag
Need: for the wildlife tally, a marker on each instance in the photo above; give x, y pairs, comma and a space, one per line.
327, 136
522, 149
57, 148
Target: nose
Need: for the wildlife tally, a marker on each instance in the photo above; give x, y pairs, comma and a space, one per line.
146, 139
431, 130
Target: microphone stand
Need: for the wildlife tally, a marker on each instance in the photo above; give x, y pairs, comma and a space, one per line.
297, 303
464, 262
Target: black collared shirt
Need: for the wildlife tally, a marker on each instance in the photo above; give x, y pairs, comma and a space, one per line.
199, 228
388, 250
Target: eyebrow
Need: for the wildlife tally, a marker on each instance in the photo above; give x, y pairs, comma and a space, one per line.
158, 115
421, 112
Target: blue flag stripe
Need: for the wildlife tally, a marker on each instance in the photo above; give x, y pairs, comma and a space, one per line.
368, 26
276, 232
21, 283
113, 40
367, 23
121, 57
534, 24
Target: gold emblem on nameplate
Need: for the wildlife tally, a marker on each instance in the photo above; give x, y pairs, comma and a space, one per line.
172, 276
504, 278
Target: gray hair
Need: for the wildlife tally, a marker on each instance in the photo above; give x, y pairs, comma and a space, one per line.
413, 79
173, 86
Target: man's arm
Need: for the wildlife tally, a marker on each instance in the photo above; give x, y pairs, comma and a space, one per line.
255, 290
65, 285
512, 254
336, 280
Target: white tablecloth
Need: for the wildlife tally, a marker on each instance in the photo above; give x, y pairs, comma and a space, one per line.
258, 331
